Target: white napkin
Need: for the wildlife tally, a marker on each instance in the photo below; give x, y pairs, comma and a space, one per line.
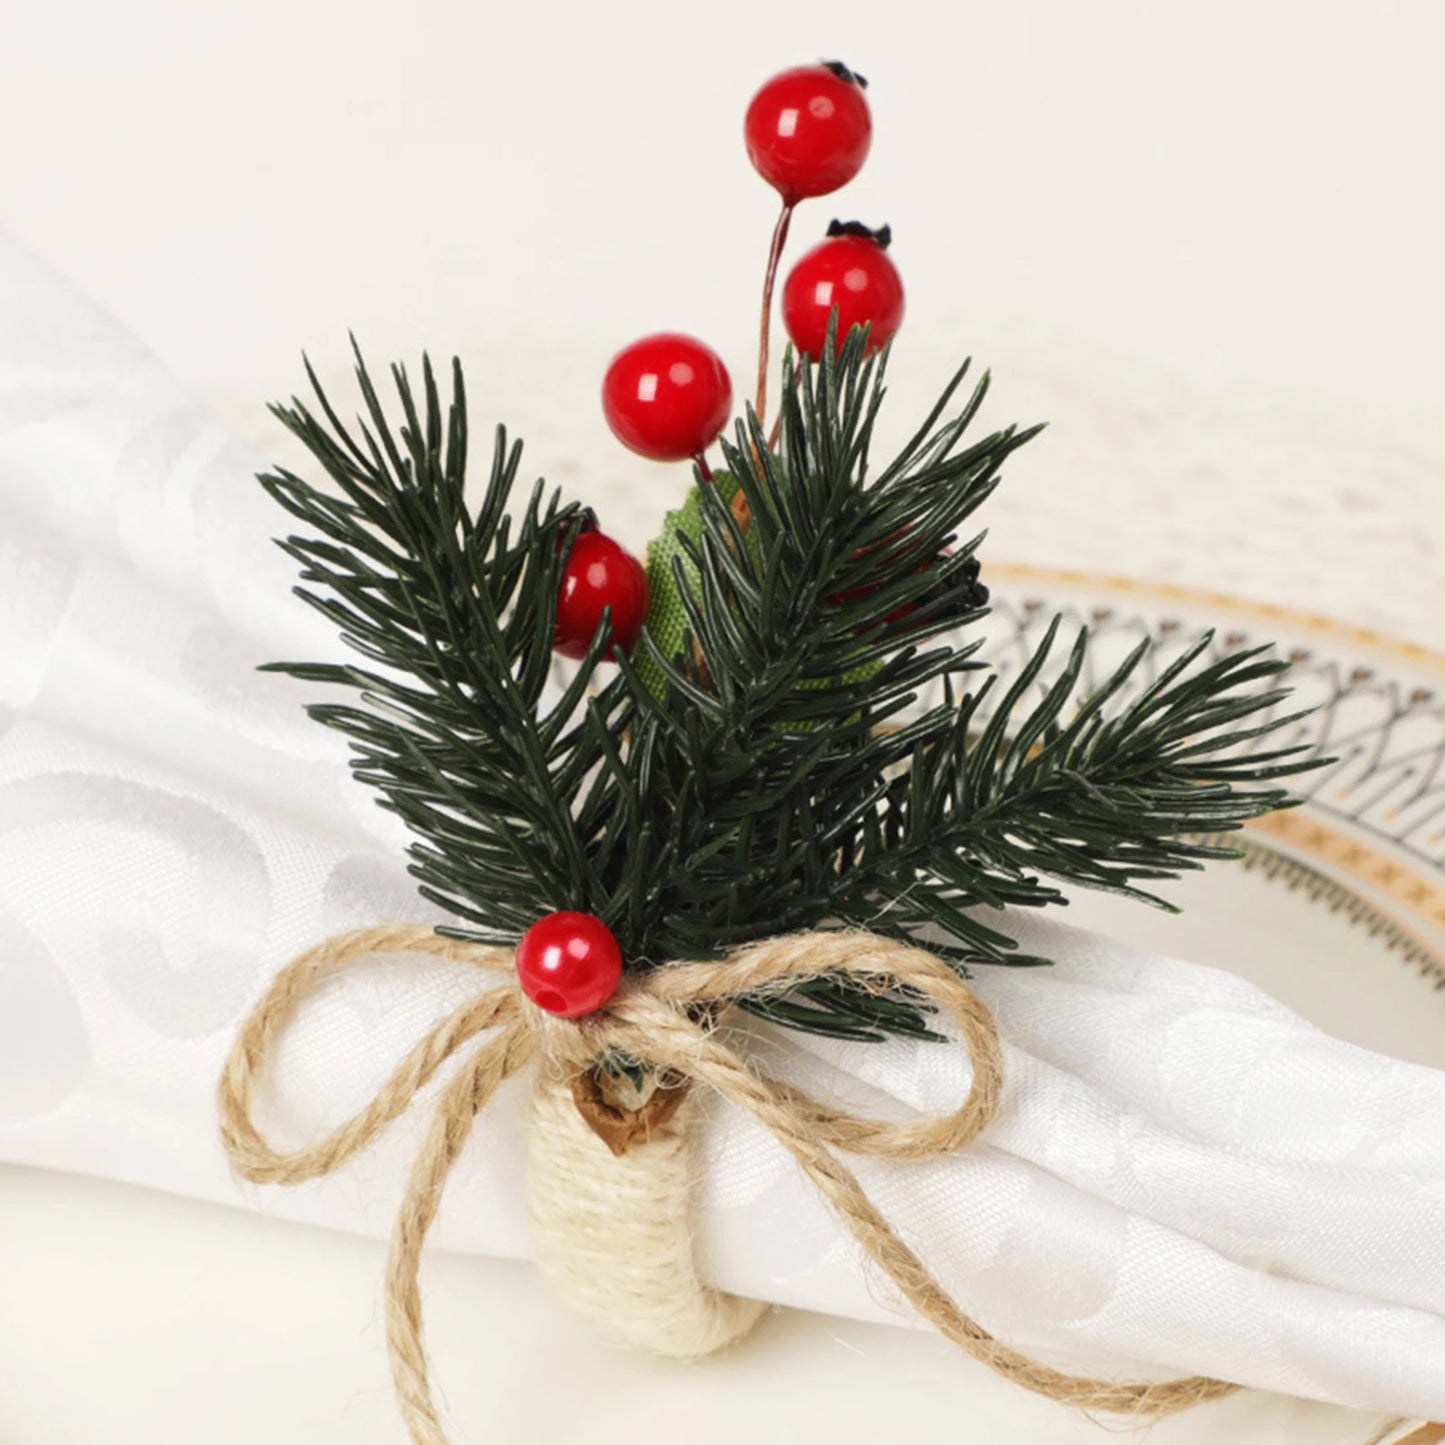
1185, 1174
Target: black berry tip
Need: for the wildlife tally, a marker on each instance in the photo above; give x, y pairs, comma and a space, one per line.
581, 522
882, 237
962, 593
851, 77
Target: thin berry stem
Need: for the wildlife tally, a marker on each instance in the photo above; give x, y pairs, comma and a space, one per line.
700, 462
780, 236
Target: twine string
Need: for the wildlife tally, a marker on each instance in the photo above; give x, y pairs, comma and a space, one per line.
666, 1019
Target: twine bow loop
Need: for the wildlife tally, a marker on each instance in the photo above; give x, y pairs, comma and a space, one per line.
666, 1020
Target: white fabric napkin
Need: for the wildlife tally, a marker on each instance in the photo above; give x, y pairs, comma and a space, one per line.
1185, 1174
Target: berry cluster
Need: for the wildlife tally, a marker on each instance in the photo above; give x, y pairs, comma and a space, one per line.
668, 397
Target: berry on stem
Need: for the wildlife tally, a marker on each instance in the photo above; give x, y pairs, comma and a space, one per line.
600, 575
569, 964
851, 271
667, 396
808, 130
956, 596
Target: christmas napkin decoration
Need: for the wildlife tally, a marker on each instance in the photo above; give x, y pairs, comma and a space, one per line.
762, 844
750, 812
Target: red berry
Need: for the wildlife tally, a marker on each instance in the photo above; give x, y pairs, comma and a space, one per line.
569, 964
960, 595
808, 130
667, 396
852, 594
852, 271
600, 574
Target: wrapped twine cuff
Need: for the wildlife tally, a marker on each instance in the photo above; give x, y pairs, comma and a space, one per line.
608, 1184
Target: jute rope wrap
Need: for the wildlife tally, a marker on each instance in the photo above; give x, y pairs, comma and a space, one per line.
623, 1263
612, 1231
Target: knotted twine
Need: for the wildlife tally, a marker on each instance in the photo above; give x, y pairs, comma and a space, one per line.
639, 1265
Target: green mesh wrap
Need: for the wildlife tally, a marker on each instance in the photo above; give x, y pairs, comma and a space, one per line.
666, 618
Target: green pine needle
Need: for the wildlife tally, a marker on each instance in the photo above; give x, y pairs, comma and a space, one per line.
759, 765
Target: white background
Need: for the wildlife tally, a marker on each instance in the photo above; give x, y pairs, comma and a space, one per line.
1244, 190
1241, 195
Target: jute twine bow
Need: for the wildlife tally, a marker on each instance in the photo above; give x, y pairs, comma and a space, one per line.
667, 1019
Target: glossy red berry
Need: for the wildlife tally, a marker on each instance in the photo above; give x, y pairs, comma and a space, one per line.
569, 964
852, 271
808, 130
853, 594
959, 595
600, 574
667, 396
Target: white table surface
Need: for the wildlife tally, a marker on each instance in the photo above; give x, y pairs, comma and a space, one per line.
130, 1318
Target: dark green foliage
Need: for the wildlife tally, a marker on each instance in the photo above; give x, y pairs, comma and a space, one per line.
773, 775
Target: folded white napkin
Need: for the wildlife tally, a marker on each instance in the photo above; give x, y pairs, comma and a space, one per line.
1185, 1174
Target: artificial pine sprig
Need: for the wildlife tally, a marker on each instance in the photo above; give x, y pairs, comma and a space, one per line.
772, 772
454, 609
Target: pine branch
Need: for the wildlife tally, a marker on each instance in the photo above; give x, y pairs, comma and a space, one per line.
456, 614
769, 774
